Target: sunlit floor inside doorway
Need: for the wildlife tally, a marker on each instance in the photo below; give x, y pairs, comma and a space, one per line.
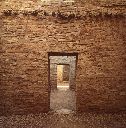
62, 99
63, 86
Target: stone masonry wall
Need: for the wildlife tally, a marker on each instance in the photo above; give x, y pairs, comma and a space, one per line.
54, 61
101, 80
25, 41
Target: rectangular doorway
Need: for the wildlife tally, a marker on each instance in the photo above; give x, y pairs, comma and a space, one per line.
62, 75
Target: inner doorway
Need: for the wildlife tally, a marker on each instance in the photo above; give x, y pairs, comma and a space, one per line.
62, 70
63, 74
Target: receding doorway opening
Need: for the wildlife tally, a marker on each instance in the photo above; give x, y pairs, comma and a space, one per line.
62, 75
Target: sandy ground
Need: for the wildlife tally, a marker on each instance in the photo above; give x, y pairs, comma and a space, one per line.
71, 120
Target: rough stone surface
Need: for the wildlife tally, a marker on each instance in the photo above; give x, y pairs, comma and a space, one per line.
100, 42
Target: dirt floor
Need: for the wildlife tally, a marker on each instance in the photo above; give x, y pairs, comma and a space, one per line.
62, 98
58, 120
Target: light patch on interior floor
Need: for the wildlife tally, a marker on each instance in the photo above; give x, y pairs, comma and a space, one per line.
62, 100
63, 86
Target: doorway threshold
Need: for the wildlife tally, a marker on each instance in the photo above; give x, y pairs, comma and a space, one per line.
63, 87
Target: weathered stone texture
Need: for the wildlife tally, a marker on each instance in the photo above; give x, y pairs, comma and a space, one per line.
101, 80
101, 66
